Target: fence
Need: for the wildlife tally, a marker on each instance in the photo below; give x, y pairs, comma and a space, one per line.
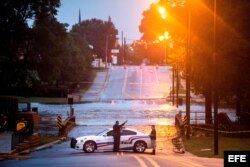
197, 117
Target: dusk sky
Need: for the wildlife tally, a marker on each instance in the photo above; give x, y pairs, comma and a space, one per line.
125, 14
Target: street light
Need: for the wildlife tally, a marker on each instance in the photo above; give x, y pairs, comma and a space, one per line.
163, 13
164, 38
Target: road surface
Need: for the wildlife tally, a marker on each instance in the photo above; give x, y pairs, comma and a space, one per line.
63, 156
137, 94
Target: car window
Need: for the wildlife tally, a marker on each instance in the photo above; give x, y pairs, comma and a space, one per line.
102, 133
128, 132
110, 133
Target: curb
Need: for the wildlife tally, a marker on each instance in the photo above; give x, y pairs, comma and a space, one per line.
23, 154
49, 145
45, 146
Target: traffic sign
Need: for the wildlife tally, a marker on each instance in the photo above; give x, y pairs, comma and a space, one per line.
59, 122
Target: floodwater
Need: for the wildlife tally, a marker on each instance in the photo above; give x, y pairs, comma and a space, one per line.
136, 94
137, 113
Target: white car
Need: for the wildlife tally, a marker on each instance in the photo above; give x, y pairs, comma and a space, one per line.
130, 140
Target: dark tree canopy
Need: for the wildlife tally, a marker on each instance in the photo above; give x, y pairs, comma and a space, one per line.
43, 53
16, 37
233, 45
97, 33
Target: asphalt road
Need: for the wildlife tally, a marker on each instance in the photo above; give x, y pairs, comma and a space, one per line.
61, 155
134, 94
131, 83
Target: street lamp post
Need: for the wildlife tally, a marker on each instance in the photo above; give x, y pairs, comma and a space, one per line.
165, 37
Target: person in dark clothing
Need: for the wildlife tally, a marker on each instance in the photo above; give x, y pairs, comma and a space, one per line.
179, 124
117, 135
153, 138
177, 141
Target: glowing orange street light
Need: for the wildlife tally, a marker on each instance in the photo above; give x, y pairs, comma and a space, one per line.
163, 13
161, 37
166, 35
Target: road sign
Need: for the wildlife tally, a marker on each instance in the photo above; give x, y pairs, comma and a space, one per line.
185, 122
59, 122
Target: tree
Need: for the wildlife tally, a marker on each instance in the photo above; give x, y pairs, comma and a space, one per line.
232, 53
80, 59
232, 46
235, 49
16, 37
30, 56
97, 33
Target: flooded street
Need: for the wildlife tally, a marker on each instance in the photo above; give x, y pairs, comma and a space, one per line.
124, 95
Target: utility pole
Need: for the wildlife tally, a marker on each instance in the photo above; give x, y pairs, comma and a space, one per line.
216, 145
177, 84
122, 50
106, 55
188, 68
173, 85
79, 17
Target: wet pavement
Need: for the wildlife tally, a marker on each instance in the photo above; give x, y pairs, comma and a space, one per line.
133, 94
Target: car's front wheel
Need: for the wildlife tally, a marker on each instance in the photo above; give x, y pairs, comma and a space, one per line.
140, 146
89, 147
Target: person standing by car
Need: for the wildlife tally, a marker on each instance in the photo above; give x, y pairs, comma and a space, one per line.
117, 135
153, 138
177, 141
179, 124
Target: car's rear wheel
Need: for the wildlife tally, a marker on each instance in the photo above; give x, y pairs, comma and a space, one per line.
140, 146
89, 147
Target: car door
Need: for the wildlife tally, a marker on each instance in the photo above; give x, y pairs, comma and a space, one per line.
127, 137
107, 141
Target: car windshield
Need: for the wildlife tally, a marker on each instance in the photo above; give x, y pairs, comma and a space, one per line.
103, 132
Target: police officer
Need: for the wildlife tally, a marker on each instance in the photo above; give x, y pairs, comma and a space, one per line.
153, 138
117, 135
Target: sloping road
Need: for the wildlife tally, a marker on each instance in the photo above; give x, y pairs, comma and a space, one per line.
130, 83
134, 94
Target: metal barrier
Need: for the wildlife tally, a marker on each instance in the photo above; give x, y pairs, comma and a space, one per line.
198, 117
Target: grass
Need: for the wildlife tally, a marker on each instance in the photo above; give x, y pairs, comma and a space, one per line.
203, 146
